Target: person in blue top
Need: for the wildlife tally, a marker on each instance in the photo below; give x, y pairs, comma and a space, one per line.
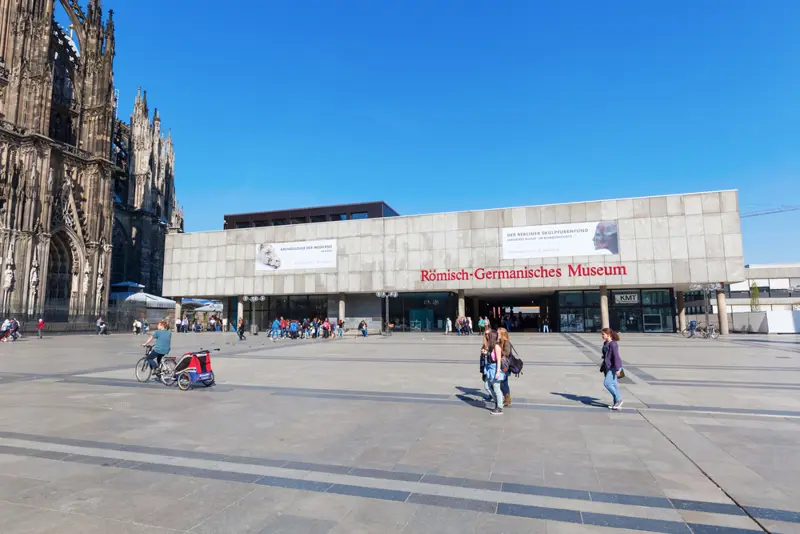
276, 328
163, 339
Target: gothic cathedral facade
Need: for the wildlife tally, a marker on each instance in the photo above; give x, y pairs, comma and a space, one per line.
74, 181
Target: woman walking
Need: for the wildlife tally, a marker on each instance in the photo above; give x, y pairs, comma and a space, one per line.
493, 371
611, 366
240, 329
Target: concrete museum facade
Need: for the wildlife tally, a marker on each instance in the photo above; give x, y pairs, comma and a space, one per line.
580, 266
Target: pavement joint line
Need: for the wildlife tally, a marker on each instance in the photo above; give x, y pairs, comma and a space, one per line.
709, 477
70, 449
403, 491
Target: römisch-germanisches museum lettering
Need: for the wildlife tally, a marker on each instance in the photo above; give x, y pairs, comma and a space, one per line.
481, 273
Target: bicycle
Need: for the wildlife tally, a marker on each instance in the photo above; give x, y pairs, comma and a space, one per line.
165, 371
701, 331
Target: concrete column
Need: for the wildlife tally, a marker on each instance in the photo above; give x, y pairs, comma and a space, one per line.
178, 313
723, 313
604, 307
341, 306
681, 311
239, 309
462, 307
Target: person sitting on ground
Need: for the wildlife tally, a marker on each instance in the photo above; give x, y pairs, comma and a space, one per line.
362, 327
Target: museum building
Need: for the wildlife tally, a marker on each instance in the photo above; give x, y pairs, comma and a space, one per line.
624, 263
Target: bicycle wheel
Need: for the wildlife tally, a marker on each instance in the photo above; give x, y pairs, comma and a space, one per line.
143, 370
210, 382
714, 334
184, 381
686, 333
168, 371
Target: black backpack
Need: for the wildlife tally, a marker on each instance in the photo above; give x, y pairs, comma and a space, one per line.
514, 363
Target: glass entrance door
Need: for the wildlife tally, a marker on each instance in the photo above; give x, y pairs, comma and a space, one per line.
629, 320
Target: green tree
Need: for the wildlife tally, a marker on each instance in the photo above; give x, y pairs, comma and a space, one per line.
755, 304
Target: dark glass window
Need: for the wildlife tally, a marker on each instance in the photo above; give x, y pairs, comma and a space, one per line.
243, 224
658, 297
740, 294
572, 320
318, 218
591, 299
339, 217
280, 222
298, 220
778, 293
360, 215
261, 223
570, 298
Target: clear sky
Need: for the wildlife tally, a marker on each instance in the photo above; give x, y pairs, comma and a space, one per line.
435, 105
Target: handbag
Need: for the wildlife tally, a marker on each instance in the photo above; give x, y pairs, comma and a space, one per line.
621, 373
603, 368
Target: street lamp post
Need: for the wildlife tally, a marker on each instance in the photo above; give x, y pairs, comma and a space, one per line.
386, 295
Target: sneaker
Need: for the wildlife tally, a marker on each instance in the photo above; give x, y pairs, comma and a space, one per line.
496, 411
617, 406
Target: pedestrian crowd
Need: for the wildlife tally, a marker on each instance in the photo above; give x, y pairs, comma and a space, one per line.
282, 328
9, 331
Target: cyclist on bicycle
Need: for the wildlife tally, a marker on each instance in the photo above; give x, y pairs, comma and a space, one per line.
163, 339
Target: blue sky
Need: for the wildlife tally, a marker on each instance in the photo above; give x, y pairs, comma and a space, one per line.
436, 105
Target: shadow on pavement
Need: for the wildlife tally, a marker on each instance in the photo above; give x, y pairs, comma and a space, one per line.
468, 396
583, 399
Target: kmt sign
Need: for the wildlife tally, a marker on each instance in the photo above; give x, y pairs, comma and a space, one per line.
482, 273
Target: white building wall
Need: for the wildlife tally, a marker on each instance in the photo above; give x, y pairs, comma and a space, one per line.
665, 241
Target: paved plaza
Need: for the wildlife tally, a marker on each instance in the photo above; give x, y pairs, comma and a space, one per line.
390, 435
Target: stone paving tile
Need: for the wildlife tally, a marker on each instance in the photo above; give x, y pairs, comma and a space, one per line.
249, 514
435, 520
369, 517
289, 524
207, 500
30, 520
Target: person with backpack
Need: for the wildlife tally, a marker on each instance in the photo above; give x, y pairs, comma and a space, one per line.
507, 356
611, 366
493, 373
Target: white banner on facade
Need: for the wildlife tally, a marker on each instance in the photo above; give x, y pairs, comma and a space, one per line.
550, 240
296, 255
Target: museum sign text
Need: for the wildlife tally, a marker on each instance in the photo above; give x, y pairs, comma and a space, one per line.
481, 273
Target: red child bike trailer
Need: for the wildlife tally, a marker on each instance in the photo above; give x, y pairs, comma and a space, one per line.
194, 368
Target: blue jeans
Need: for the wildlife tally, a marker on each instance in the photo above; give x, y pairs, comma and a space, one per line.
611, 385
494, 387
364, 331
504, 386
154, 359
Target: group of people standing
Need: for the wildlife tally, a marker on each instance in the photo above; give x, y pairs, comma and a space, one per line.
282, 328
496, 357
9, 331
